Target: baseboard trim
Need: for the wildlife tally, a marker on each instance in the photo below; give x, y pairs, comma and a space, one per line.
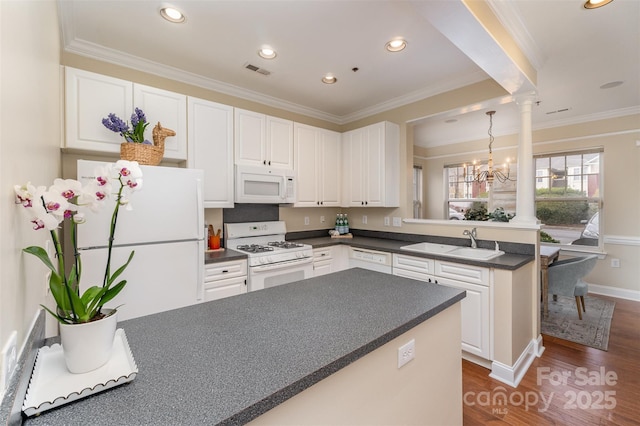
512, 375
621, 293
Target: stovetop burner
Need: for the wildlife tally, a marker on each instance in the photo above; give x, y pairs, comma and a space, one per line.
284, 244
254, 248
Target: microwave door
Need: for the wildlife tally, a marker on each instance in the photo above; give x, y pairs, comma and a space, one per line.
260, 188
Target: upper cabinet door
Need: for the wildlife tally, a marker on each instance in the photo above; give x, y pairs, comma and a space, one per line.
262, 140
90, 97
330, 179
306, 166
211, 149
250, 140
170, 110
279, 143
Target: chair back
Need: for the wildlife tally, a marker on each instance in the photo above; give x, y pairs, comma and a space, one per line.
565, 274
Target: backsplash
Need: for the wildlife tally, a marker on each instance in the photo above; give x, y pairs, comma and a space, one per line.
251, 213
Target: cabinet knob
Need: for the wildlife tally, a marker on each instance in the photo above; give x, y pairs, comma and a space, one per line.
269, 162
224, 271
264, 162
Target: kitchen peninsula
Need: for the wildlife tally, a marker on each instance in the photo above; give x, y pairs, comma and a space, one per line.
322, 350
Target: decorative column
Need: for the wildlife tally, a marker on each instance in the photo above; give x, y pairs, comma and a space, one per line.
525, 197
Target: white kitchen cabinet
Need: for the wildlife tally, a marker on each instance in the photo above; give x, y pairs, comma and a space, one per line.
371, 166
317, 166
330, 259
262, 140
417, 268
90, 97
210, 146
476, 307
170, 110
475, 280
475, 317
224, 279
322, 260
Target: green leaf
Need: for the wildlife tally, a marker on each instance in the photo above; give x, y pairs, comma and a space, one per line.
90, 295
113, 292
41, 254
120, 270
56, 316
59, 292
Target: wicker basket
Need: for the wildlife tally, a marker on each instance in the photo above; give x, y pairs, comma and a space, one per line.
144, 154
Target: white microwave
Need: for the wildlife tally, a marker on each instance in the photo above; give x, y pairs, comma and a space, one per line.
265, 185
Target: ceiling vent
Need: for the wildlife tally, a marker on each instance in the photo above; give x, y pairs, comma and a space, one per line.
257, 69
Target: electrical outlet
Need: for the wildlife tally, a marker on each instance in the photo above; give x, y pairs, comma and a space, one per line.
364, 219
397, 221
9, 358
615, 263
306, 220
387, 221
321, 219
406, 352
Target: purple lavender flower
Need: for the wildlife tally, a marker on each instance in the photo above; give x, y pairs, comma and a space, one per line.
138, 116
115, 124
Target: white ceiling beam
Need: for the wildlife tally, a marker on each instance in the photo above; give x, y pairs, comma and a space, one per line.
474, 29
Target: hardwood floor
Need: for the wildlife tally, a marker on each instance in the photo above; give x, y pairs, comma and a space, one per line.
569, 384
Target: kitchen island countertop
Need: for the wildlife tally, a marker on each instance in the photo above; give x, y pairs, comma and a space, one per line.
233, 359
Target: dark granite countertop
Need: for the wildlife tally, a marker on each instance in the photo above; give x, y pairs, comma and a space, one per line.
507, 261
230, 360
223, 256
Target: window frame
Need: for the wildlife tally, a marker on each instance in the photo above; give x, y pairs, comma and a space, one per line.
568, 178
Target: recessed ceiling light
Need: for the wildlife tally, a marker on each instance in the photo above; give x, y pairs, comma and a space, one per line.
267, 53
395, 45
594, 4
172, 14
611, 84
329, 79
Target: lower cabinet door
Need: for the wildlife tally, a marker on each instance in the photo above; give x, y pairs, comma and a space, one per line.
475, 317
214, 290
322, 268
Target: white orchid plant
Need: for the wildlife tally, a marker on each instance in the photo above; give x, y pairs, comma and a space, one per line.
67, 200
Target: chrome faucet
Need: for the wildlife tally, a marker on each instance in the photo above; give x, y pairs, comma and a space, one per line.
472, 234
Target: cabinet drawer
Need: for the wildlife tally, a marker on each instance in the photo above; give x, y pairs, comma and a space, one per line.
412, 263
322, 254
224, 270
224, 288
458, 271
413, 275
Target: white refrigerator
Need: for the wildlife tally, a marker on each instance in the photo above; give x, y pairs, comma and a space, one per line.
166, 231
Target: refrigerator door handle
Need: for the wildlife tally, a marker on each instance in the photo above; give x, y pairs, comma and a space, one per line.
200, 209
200, 287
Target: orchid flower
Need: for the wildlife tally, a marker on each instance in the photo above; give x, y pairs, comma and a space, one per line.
69, 199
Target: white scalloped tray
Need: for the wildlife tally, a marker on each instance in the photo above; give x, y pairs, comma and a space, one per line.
52, 385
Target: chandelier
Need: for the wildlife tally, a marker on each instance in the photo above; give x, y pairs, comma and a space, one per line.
502, 174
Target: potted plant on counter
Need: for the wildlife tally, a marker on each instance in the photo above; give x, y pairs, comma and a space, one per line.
86, 328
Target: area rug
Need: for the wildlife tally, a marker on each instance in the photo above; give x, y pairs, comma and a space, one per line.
563, 323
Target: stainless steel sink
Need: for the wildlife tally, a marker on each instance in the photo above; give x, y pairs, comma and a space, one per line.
453, 251
429, 248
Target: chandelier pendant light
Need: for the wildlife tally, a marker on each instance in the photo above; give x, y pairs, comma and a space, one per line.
490, 174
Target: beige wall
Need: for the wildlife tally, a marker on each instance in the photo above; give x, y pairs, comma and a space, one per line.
29, 148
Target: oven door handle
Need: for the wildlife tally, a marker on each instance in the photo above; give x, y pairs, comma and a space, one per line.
281, 265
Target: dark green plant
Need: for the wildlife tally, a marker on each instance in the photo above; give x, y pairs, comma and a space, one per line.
499, 215
546, 238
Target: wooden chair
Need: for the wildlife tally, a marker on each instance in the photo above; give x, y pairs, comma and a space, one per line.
565, 278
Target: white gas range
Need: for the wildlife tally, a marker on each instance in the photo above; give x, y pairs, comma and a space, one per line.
272, 260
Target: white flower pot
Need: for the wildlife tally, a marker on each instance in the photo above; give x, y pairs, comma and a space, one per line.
88, 346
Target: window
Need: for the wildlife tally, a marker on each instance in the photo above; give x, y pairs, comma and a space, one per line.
477, 200
417, 192
569, 197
